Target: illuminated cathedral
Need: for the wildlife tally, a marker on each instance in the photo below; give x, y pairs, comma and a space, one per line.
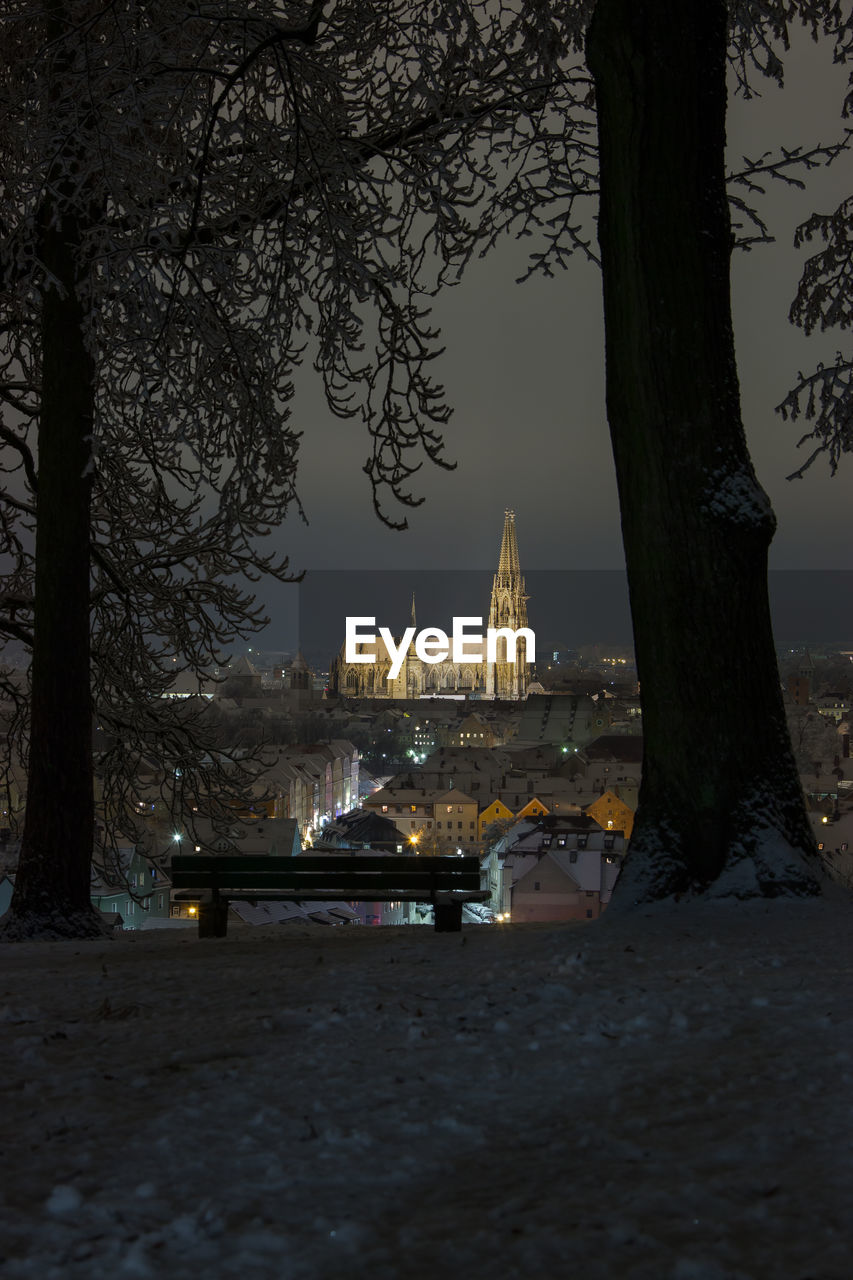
477, 679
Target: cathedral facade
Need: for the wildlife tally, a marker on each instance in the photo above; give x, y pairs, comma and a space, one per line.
477, 679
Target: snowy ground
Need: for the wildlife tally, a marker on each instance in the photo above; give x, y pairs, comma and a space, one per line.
661, 1097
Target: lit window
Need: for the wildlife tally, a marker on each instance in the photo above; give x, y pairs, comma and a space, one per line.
384, 808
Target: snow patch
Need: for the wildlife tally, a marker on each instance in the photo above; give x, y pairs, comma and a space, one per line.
63, 1199
738, 498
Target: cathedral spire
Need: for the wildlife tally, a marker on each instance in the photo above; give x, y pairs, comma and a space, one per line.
414, 623
508, 564
508, 609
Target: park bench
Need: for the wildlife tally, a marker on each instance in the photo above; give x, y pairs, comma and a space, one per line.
215, 880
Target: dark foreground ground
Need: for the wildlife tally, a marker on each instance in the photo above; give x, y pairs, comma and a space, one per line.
661, 1097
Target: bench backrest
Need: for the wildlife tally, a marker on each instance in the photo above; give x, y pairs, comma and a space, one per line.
333, 871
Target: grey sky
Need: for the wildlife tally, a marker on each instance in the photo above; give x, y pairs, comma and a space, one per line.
524, 370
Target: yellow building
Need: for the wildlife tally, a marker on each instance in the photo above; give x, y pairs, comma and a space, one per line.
456, 821
612, 813
533, 809
497, 811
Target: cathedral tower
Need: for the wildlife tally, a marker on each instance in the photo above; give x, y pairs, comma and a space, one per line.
508, 609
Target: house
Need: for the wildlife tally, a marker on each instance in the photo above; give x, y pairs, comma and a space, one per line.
431, 821
497, 811
456, 822
613, 759
533, 809
555, 869
133, 887
473, 731
411, 809
612, 813
314, 783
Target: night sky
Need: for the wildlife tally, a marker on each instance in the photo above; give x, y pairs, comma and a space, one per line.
524, 370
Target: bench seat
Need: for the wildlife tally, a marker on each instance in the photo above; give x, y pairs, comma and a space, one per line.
446, 882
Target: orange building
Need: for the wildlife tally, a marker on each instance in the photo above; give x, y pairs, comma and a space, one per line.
612, 813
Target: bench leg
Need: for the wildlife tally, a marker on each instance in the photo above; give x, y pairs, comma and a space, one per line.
448, 917
213, 918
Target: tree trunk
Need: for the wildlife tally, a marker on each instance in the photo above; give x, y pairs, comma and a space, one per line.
721, 808
52, 885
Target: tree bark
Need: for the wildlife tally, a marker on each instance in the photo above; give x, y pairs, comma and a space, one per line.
721, 808
52, 885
